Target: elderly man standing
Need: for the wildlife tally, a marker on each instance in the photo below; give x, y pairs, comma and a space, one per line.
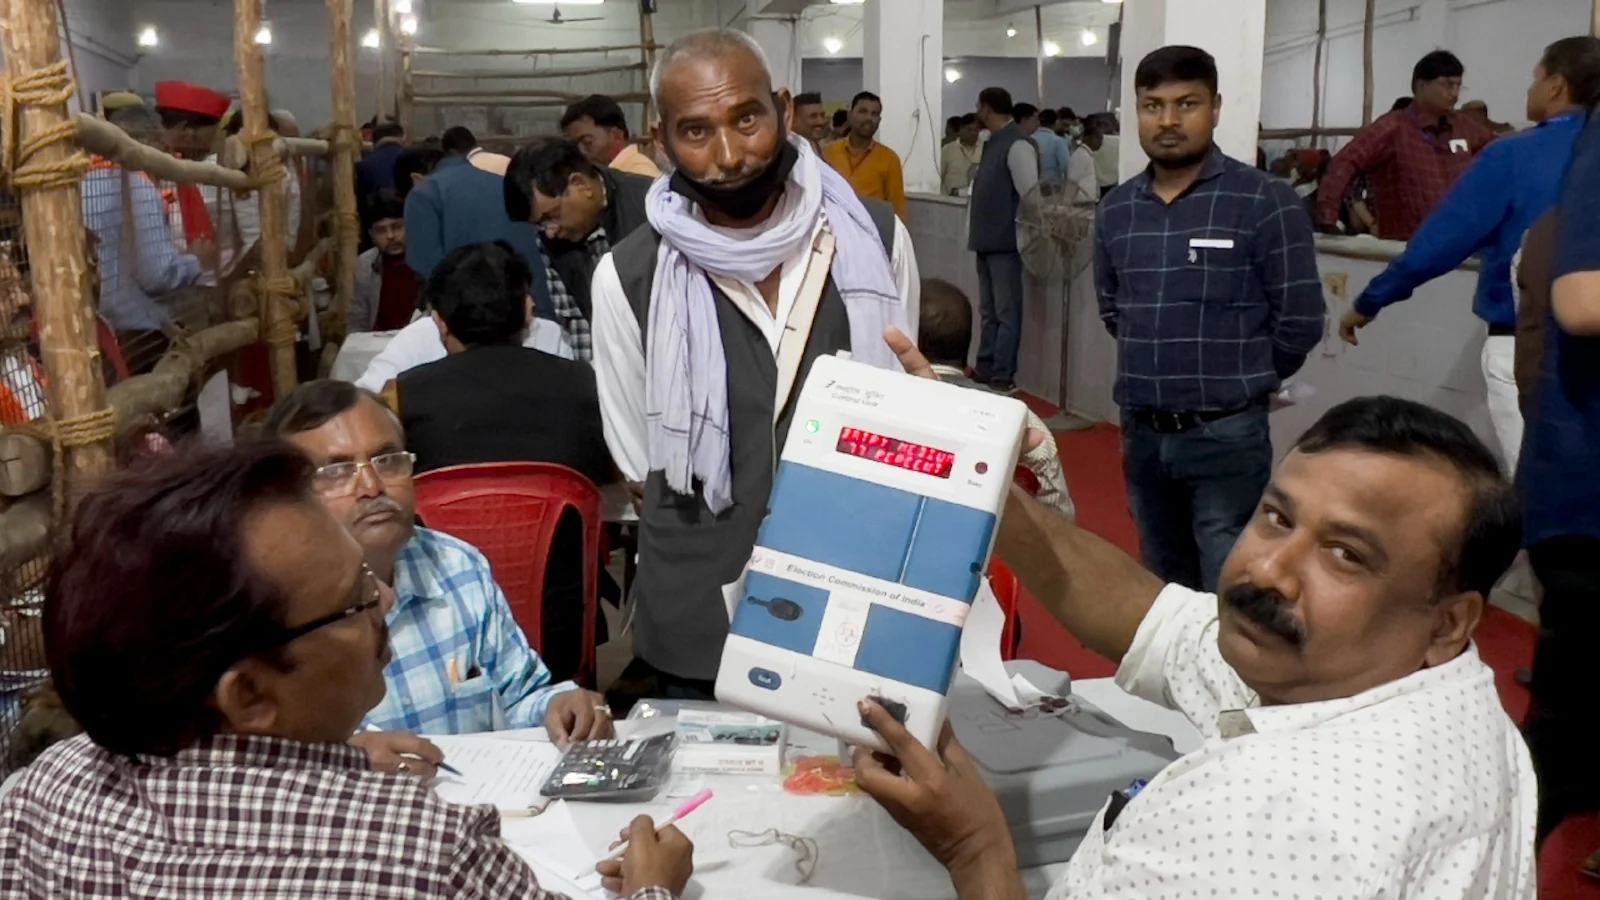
1355, 744
759, 258
218, 687
460, 662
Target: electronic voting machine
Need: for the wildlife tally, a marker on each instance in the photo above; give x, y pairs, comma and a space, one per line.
878, 530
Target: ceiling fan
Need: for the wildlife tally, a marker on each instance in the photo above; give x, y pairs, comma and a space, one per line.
557, 19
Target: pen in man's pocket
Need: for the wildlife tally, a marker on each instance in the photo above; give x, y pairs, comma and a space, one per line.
441, 766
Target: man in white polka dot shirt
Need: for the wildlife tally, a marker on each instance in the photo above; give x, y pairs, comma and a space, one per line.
1355, 745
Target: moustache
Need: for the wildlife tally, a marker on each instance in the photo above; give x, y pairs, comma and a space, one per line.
1268, 610
375, 505
743, 174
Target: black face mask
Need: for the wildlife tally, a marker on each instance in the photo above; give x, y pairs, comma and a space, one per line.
742, 202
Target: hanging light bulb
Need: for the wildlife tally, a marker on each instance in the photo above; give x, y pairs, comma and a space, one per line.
1011, 30
1088, 38
1051, 48
952, 75
264, 35
148, 37
402, 7
832, 44
371, 40
408, 25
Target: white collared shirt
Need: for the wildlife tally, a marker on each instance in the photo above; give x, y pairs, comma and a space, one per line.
619, 360
1419, 788
418, 344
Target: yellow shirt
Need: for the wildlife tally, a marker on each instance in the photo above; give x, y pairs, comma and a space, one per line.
876, 175
632, 161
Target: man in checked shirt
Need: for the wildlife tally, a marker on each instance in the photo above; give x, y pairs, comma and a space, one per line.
1207, 277
1413, 155
219, 635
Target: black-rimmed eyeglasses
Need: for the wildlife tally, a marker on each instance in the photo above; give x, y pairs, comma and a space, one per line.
372, 598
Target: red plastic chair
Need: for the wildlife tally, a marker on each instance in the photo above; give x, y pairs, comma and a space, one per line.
510, 512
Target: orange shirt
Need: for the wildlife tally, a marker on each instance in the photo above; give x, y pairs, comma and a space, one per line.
876, 175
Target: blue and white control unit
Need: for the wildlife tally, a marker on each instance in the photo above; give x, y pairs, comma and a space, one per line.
882, 514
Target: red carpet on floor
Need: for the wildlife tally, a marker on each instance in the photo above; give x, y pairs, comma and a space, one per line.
1092, 461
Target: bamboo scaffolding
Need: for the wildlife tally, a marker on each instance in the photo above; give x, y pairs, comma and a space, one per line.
408, 91
279, 304
164, 388
1316, 71
45, 171
1366, 61
510, 98
647, 44
346, 144
540, 73
558, 51
103, 139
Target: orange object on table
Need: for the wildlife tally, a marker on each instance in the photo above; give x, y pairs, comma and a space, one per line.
810, 776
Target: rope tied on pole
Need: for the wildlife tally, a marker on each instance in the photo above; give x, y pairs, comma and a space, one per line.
282, 309
49, 86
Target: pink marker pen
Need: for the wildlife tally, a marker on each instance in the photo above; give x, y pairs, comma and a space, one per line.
689, 806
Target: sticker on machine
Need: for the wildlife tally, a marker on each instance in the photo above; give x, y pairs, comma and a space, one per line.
842, 584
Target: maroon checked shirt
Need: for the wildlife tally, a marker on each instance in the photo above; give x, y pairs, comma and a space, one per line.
1412, 164
242, 816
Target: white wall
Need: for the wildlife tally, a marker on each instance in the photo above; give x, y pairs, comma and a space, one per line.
102, 49
197, 46
1499, 41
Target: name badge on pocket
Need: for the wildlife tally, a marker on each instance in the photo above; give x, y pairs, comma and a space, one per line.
1460, 145
1211, 244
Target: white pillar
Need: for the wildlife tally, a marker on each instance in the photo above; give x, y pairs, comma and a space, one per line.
902, 54
777, 36
1234, 31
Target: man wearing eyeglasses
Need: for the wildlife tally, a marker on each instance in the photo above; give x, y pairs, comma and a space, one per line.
219, 637
460, 663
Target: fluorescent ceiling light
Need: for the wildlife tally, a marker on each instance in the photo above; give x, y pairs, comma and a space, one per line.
1088, 38
1110, 1
847, 2
371, 41
832, 44
264, 35
408, 25
148, 37
952, 75
1051, 48
562, 2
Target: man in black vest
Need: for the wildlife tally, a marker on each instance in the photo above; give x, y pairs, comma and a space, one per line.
1008, 170
581, 210
759, 259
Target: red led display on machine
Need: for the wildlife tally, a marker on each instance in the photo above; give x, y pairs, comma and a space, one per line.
895, 452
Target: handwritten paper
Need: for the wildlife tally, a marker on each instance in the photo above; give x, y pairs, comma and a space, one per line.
506, 774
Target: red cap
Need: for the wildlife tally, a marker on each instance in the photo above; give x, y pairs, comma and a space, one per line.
182, 96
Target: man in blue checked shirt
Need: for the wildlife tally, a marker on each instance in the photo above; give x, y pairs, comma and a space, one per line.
461, 664
1206, 272
1513, 182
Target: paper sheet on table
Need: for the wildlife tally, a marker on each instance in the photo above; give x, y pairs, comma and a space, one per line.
507, 774
552, 842
980, 653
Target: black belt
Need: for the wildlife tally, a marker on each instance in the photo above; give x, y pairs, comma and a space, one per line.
1502, 330
1177, 422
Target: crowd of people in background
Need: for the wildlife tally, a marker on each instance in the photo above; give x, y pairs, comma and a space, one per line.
641, 310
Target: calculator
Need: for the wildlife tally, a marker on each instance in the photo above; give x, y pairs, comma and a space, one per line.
623, 771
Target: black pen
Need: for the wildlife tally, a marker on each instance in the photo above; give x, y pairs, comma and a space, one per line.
442, 766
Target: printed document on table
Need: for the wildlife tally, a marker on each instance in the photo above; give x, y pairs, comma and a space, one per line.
553, 845
505, 774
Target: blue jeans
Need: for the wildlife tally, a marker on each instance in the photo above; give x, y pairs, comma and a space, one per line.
1000, 312
1193, 492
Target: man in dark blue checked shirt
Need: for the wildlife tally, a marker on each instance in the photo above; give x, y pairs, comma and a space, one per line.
1207, 275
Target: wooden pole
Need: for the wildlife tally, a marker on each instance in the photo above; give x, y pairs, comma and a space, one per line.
1366, 61
1316, 72
280, 306
504, 98
407, 91
386, 73
1038, 56
537, 73
347, 221
647, 55
648, 46
1594, 27
45, 172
